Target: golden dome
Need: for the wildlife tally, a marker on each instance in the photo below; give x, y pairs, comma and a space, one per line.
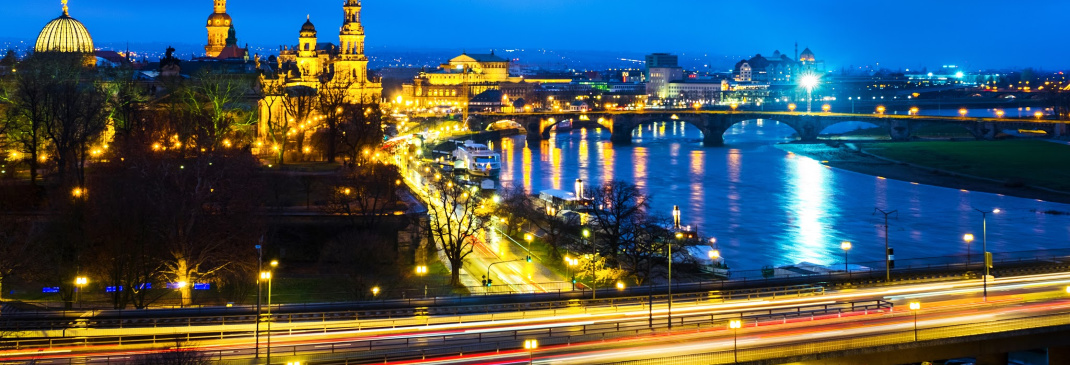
219, 20
308, 30
64, 34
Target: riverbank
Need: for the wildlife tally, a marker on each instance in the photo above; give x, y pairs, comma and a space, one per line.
1016, 169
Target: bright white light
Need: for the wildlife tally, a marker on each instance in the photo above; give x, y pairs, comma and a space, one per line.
809, 81
959, 75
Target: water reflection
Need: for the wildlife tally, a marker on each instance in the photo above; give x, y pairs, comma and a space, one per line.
776, 208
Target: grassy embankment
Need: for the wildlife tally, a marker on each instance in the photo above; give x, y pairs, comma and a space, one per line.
1028, 162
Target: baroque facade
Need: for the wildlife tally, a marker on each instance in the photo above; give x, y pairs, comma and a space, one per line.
312, 65
453, 84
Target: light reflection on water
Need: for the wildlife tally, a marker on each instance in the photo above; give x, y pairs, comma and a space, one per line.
767, 207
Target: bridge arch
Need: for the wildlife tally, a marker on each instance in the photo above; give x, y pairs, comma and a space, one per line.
854, 130
942, 130
623, 128
505, 124
801, 132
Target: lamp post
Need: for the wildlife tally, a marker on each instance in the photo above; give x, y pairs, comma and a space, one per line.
791, 107
914, 110
845, 246
531, 345
259, 295
963, 112
809, 82
826, 108
421, 271
79, 283
984, 245
915, 307
570, 262
881, 109
528, 237
969, 239
266, 275
1000, 113
735, 325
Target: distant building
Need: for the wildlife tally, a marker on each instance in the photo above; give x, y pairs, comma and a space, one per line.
656, 60
778, 68
463, 77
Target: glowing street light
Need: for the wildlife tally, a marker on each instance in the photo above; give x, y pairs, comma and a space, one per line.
79, 282
791, 107
914, 110
266, 275
915, 307
963, 112
826, 108
620, 285
969, 239
881, 109
809, 82
1039, 115
984, 243
999, 113
531, 346
528, 237
845, 246
735, 325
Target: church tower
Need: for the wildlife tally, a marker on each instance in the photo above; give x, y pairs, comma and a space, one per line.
219, 25
307, 55
353, 64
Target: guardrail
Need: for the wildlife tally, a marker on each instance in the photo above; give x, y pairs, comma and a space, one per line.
406, 313
376, 350
810, 348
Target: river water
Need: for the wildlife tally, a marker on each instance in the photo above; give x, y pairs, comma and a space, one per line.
768, 207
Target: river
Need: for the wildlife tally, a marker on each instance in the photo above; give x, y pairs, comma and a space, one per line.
768, 207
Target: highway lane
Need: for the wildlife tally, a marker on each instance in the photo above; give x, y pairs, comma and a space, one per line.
575, 324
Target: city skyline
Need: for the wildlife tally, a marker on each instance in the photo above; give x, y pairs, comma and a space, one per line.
841, 33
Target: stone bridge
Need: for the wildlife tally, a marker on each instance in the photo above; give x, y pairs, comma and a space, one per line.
714, 124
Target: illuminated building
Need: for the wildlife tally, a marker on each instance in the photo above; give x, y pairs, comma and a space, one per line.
316, 65
219, 27
464, 77
779, 68
66, 35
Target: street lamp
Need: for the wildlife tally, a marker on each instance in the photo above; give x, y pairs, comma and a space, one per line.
1039, 115
984, 246
422, 270
570, 262
531, 345
809, 82
826, 108
999, 113
881, 109
845, 246
969, 239
528, 237
266, 275
375, 291
915, 307
914, 110
735, 325
791, 107
963, 112
79, 283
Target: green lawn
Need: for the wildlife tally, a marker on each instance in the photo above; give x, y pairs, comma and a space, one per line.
1031, 162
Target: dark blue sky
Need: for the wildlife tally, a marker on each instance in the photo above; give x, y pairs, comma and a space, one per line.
896, 33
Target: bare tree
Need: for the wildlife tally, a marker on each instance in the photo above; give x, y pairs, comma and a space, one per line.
366, 194
362, 130
220, 101
455, 220
300, 103
18, 252
333, 96
620, 209
77, 117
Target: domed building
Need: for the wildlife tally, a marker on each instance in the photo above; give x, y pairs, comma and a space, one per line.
66, 35
219, 27
807, 56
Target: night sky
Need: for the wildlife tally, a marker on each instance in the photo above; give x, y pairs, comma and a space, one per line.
897, 34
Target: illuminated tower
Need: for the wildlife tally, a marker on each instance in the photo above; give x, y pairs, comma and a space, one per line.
353, 64
307, 55
219, 24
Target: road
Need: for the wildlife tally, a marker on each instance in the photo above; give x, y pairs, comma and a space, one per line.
772, 327
511, 272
